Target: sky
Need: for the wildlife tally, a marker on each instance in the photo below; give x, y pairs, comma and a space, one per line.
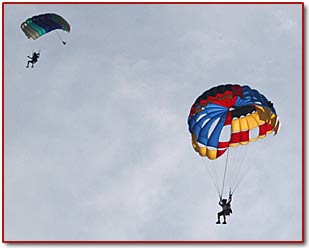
95, 135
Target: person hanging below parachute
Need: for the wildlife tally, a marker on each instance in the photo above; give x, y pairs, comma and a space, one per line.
229, 116
226, 208
33, 59
39, 25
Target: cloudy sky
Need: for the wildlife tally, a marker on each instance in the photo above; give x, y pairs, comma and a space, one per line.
96, 139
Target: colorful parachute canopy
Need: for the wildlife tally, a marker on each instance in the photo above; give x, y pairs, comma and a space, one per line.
228, 115
39, 25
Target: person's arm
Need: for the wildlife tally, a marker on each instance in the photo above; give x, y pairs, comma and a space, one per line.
230, 197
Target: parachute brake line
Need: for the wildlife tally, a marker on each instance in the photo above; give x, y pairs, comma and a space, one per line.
225, 168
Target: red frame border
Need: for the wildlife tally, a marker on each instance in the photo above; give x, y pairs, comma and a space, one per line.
165, 241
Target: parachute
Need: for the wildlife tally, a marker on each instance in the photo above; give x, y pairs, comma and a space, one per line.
227, 116
40, 25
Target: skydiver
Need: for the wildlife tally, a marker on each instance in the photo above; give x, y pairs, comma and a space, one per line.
226, 208
33, 59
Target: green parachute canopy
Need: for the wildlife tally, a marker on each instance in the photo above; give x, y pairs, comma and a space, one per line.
39, 25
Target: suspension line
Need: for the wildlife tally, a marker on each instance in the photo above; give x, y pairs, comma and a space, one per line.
225, 169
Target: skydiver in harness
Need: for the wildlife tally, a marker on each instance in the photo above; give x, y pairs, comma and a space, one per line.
33, 59
226, 208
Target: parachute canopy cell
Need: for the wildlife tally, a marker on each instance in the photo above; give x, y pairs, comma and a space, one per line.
230, 115
39, 25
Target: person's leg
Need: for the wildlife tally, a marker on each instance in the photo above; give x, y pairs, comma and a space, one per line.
219, 214
224, 219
